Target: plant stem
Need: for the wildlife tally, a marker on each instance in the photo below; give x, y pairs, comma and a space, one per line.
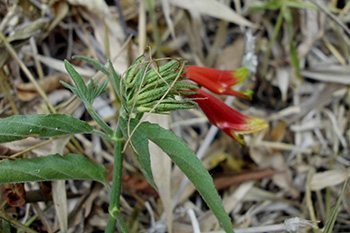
156, 35
15, 223
99, 120
275, 32
114, 211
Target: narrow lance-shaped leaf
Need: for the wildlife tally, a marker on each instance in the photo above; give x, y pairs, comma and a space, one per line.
114, 78
332, 217
139, 143
186, 160
81, 87
21, 126
94, 90
95, 63
51, 167
87, 93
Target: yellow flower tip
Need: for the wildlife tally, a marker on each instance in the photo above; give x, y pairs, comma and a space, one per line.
248, 94
241, 74
238, 138
252, 125
255, 125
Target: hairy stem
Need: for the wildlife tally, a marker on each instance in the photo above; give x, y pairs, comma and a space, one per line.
114, 208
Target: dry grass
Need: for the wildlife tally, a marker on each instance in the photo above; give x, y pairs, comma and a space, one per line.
295, 168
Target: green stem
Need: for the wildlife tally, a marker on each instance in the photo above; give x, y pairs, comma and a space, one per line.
15, 223
114, 208
151, 4
276, 30
99, 120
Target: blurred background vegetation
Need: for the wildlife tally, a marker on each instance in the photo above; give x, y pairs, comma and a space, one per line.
299, 55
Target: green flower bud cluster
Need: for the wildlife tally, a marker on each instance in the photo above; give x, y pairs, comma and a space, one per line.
148, 86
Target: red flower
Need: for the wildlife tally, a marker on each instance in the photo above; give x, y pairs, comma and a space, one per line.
219, 81
232, 122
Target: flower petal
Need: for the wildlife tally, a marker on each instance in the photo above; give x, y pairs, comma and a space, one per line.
219, 81
232, 122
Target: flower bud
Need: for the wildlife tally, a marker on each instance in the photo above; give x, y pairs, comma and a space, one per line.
150, 87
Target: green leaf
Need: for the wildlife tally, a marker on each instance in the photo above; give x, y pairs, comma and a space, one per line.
78, 80
114, 78
95, 63
87, 93
133, 70
73, 89
94, 90
300, 4
51, 167
139, 143
278, 4
107, 69
187, 161
294, 58
267, 5
332, 217
101, 88
21, 126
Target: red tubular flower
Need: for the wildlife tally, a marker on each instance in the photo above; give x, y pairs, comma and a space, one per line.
232, 122
219, 81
